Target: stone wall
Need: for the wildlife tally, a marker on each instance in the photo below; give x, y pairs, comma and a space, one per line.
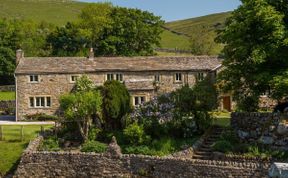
266, 128
7, 107
7, 88
67, 164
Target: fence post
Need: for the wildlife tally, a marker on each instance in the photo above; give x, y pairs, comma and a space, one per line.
42, 130
22, 132
1, 132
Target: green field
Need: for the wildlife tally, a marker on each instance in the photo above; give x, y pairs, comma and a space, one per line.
12, 146
5, 96
171, 41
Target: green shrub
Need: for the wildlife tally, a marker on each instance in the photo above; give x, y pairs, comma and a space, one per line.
222, 146
94, 146
135, 135
144, 150
50, 144
230, 136
41, 117
93, 133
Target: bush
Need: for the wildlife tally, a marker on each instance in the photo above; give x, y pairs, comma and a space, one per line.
93, 133
41, 117
50, 144
135, 135
222, 146
94, 146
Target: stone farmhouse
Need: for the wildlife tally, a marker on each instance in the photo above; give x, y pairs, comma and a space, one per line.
40, 81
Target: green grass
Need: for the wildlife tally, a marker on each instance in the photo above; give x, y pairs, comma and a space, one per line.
4, 96
171, 41
53, 11
221, 118
12, 146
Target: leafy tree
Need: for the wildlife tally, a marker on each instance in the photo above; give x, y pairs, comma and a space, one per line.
132, 33
68, 41
116, 103
84, 84
7, 66
81, 107
203, 43
255, 39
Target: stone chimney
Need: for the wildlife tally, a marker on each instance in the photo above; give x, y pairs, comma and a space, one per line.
19, 55
91, 54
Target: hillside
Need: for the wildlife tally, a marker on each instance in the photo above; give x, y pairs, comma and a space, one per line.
54, 11
190, 26
59, 12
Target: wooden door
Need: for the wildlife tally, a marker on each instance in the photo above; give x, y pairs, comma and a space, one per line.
227, 103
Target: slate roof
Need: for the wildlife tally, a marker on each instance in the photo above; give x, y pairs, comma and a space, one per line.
63, 65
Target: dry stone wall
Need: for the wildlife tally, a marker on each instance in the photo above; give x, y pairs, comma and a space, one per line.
266, 128
67, 164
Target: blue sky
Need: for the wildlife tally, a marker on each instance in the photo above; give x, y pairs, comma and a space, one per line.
171, 10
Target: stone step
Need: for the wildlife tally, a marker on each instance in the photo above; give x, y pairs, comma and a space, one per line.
203, 153
205, 149
201, 157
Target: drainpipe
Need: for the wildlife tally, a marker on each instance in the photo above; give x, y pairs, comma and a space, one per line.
16, 95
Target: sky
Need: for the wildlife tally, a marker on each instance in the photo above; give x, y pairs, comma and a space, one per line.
172, 10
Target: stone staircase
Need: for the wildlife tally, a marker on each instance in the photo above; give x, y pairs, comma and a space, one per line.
205, 149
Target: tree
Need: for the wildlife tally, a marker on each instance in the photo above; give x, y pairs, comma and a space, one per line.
254, 57
68, 41
82, 106
7, 66
132, 33
116, 103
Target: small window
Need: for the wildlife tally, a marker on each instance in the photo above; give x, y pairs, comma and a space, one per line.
119, 77
110, 77
73, 78
157, 78
200, 76
48, 101
139, 100
34, 78
178, 77
31, 101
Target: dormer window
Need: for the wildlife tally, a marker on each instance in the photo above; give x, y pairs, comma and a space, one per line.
74, 78
178, 77
33, 78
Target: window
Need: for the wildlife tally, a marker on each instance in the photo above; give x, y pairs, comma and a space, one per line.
178, 77
74, 78
34, 78
119, 77
157, 78
139, 100
40, 102
110, 77
200, 76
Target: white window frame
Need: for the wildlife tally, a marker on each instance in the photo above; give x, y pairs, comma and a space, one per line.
75, 77
178, 77
139, 100
119, 77
43, 102
116, 76
109, 76
157, 78
33, 77
200, 76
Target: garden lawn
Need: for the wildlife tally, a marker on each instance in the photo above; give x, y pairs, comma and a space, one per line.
12, 147
221, 118
4, 96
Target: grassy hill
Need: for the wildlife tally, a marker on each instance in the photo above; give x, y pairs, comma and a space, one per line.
59, 12
54, 11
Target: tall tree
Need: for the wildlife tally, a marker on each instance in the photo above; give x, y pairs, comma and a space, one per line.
7, 66
254, 39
